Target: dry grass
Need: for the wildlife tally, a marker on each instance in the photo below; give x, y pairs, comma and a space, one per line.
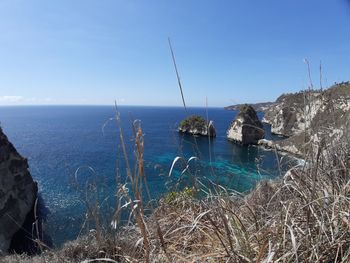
302, 217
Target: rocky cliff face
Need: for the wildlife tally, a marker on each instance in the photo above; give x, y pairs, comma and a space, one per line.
310, 117
246, 129
196, 125
286, 115
18, 192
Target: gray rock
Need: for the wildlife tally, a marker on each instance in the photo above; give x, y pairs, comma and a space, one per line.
311, 118
286, 115
266, 143
308, 111
247, 128
18, 192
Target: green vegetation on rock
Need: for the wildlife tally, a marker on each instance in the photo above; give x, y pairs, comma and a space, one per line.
193, 122
196, 125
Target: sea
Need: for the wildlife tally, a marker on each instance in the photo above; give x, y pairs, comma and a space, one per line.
69, 146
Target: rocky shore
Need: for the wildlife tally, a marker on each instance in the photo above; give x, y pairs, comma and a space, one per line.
309, 117
314, 122
18, 192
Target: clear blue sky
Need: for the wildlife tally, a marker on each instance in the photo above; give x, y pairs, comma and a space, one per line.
92, 52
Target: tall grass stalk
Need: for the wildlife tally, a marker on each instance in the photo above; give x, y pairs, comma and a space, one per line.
303, 216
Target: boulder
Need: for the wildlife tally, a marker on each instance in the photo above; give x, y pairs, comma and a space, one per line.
196, 125
247, 128
18, 192
268, 144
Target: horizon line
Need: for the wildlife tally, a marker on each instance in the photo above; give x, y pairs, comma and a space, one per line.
107, 105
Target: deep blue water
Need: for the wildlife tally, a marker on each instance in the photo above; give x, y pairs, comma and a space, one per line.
57, 140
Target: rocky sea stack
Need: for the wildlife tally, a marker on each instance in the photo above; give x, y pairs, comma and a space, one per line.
196, 125
18, 192
247, 128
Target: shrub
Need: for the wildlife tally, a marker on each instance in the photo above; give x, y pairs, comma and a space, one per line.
193, 122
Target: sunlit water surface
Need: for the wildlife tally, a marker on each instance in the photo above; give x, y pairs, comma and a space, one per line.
57, 140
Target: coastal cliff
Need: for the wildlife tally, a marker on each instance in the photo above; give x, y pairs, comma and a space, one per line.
18, 192
310, 117
293, 203
293, 113
307, 117
246, 128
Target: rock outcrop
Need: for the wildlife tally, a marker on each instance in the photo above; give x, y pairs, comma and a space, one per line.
310, 117
247, 128
196, 125
269, 144
295, 113
281, 145
18, 192
287, 114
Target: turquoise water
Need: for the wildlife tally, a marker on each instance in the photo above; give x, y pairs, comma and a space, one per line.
57, 140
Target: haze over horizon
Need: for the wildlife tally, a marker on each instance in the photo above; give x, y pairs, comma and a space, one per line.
92, 52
